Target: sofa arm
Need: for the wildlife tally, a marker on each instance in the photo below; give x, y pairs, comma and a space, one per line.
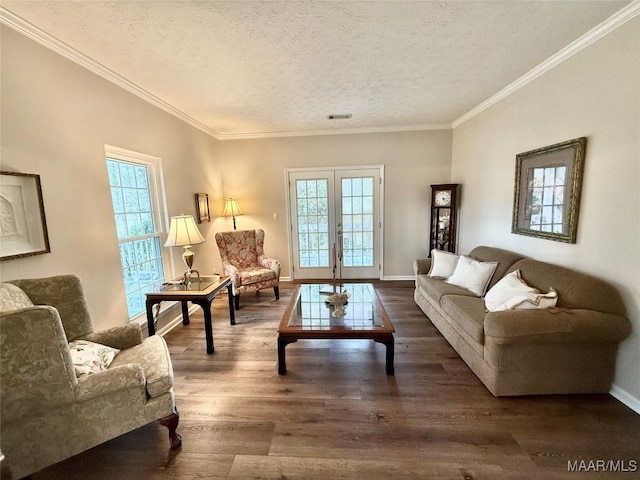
122, 337
555, 325
110, 381
421, 266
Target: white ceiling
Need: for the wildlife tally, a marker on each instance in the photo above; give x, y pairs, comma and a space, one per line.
257, 68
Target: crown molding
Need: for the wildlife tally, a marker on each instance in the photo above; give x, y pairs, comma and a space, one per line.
43, 38
346, 131
613, 22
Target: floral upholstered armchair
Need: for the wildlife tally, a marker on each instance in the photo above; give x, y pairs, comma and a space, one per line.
65, 388
243, 259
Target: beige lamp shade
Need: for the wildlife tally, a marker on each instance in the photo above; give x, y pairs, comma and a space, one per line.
183, 231
232, 209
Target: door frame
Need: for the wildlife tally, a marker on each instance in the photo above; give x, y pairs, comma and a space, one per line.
380, 168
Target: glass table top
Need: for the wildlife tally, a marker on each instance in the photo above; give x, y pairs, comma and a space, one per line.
312, 311
198, 284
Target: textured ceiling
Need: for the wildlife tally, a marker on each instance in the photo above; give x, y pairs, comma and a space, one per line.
253, 67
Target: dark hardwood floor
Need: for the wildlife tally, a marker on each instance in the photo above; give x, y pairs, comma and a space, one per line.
336, 415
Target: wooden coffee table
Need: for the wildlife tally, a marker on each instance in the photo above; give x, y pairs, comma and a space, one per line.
309, 316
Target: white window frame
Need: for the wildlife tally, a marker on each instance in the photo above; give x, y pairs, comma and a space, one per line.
158, 204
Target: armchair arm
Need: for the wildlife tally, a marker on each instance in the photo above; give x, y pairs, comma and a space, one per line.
555, 325
122, 337
421, 265
233, 272
111, 381
270, 263
36, 371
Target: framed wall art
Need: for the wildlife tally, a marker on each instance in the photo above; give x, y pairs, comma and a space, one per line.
23, 227
548, 184
202, 207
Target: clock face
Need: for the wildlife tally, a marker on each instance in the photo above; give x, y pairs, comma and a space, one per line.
443, 198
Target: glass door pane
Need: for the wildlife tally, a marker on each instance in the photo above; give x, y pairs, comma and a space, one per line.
357, 222
358, 192
312, 223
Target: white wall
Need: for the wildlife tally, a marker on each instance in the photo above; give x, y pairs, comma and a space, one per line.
56, 118
596, 94
254, 173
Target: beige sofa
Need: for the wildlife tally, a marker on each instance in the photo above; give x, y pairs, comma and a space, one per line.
570, 348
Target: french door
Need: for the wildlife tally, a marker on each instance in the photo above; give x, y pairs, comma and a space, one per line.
335, 222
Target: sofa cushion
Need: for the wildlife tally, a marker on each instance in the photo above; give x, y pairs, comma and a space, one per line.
256, 274
473, 275
435, 288
466, 315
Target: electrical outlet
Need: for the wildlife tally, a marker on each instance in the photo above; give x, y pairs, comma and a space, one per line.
275, 215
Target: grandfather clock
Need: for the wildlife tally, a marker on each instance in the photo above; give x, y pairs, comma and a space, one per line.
444, 218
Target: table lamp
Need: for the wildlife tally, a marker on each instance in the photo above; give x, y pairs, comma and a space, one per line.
183, 232
232, 209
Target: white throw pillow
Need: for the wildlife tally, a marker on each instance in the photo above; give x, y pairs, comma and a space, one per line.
89, 357
442, 264
513, 293
472, 274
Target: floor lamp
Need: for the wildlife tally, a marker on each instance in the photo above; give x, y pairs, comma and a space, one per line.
232, 209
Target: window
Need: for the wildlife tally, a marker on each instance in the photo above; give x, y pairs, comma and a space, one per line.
545, 203
134, 185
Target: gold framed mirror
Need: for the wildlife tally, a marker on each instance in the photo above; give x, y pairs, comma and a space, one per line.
548, 183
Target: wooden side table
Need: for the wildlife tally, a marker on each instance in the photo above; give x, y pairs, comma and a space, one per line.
201, 291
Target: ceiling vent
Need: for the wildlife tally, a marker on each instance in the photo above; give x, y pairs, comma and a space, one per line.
339, 116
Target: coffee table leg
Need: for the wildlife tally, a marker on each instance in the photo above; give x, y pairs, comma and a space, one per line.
232, 312
389, 343
282, 343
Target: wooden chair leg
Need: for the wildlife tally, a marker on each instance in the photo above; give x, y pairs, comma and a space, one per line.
276, 290
237, 300
171, 422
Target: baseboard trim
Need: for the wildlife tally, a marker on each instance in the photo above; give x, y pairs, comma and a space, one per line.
177, 320
625, 397
398, 277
